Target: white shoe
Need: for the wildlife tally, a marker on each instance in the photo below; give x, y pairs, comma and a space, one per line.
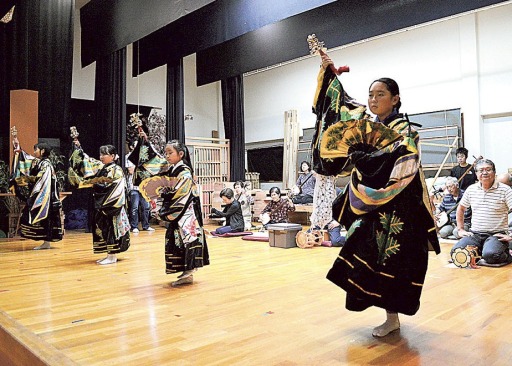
45, 245
390, 325
183, 281
111, 258
149, 229
135, 231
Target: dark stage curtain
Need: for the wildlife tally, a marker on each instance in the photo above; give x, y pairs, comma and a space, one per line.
4, 95
175, 103
36, 53
210, 25
110, 98
234, 127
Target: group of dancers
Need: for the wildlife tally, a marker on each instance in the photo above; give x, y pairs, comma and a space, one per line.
34, 180
385, 207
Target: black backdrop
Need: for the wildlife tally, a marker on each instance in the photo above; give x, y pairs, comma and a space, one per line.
268, 162
36, 53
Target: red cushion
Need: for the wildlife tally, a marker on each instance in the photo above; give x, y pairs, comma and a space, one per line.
257, 237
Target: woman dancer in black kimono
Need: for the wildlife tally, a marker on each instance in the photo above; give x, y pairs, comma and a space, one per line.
385, 206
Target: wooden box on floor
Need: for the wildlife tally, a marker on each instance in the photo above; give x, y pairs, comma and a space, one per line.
283, 235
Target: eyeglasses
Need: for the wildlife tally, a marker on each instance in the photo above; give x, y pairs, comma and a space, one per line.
487, 170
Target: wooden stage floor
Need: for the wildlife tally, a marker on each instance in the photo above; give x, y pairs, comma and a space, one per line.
254, 305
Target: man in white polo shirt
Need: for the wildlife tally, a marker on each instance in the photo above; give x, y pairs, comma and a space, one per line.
490, 202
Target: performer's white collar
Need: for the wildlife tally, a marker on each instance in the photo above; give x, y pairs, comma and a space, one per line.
177, 164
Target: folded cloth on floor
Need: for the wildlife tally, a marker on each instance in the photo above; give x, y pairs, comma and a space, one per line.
241, 233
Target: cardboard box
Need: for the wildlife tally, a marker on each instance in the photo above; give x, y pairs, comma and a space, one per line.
283, 235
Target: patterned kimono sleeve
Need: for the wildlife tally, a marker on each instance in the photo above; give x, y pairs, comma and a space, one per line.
23, 167
82, 166
117, 189
40, 195
177, 200
23, 164
332, 106
147, 161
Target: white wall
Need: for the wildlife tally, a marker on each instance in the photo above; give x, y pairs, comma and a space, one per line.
203, 103
464, 62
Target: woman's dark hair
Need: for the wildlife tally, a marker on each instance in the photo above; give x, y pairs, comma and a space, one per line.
180, 146
275, 190
463, 151
44, 146
393, 88
109, 150
307, 163
239, 183
227, 192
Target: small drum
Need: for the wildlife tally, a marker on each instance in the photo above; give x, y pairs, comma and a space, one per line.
296, 190
305, 239
265, 218
465, 257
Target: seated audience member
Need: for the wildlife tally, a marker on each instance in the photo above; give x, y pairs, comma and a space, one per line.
232, 212
490, 202
277, 209
245, 201
305, 187
460, 170
335, 237
448, 205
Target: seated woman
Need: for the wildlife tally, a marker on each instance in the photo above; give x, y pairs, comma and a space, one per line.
232, 212
304, 189
245, 201
277, 209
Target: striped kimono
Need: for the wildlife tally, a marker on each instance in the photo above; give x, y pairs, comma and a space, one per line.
110, 227
185, 242
41, 217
